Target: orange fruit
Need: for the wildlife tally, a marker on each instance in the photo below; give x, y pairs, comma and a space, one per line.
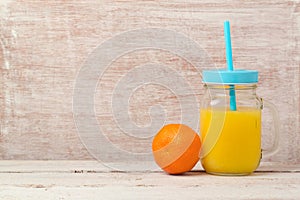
176, 148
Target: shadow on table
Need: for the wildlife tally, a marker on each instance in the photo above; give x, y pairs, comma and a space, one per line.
203, 173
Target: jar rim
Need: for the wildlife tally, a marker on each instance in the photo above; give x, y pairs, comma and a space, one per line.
225, 86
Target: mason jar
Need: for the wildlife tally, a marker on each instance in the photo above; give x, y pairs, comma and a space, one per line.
230, 123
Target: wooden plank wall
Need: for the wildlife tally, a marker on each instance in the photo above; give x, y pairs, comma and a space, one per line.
44, 45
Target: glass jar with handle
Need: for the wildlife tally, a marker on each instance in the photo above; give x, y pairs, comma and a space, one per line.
231, 134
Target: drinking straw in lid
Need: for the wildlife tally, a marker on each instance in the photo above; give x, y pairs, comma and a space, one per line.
229, 63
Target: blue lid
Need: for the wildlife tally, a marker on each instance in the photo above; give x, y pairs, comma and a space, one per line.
238, 76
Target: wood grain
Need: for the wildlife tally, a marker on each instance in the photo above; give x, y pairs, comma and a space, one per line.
88, 180
149, 185
45, 44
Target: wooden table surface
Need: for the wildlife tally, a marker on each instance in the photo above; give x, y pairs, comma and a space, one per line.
91, 180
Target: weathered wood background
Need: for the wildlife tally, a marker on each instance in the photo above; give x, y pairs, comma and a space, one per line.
44, 44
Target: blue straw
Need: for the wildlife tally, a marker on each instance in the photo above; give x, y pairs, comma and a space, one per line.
229, 63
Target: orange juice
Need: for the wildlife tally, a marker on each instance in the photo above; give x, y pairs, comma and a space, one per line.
231, 140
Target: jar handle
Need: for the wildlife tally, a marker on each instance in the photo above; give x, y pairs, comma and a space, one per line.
274, 148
